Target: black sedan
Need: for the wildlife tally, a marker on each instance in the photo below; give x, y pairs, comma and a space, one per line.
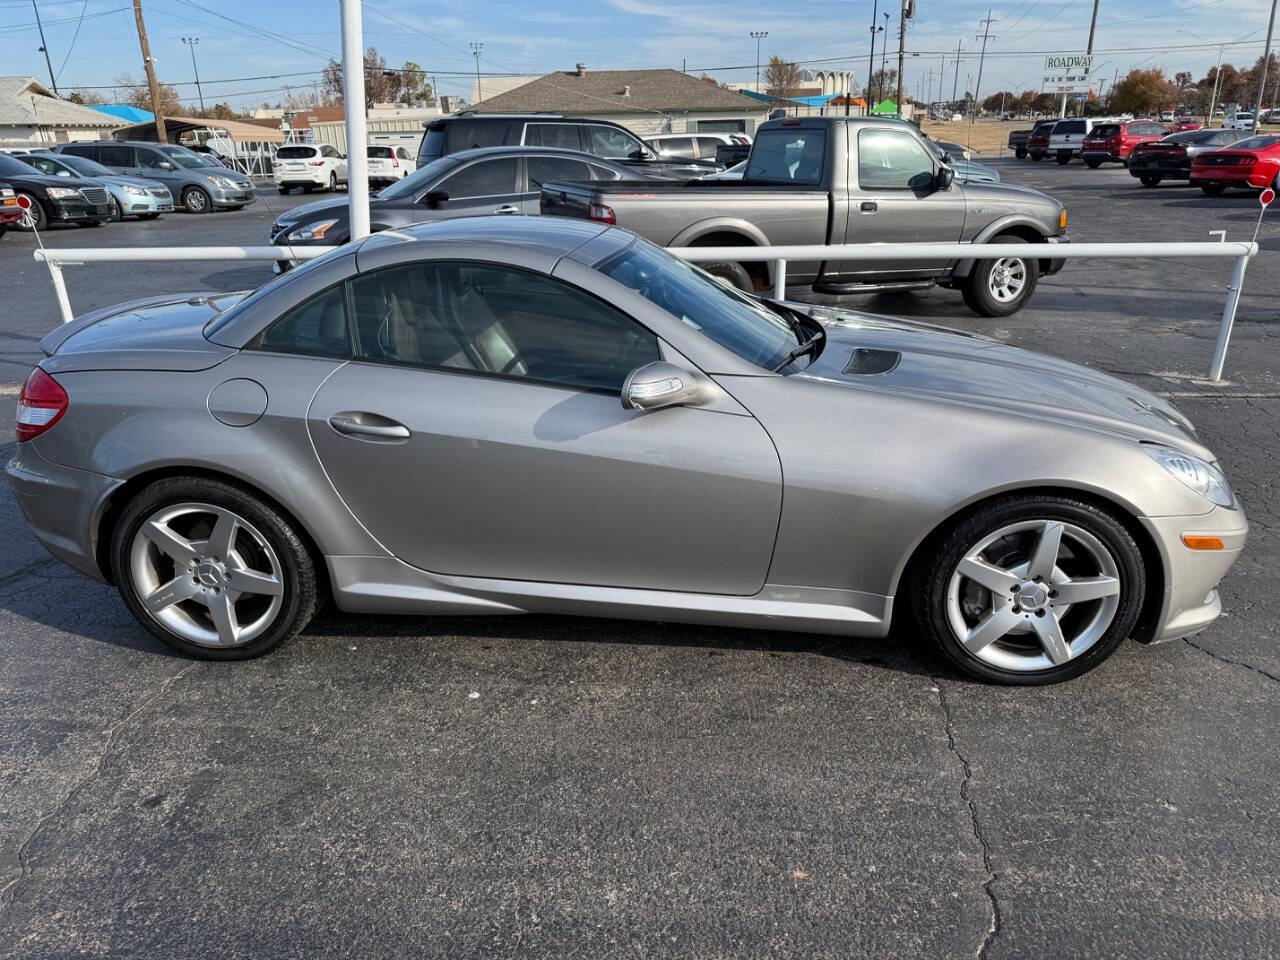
57, 199
469, 183
1170, 158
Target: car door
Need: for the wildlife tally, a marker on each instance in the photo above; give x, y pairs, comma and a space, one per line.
539, 170
479, 433
154, 165
893, 199
480, 188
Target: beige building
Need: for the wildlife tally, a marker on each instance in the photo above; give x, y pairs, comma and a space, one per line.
645, 101
31, 114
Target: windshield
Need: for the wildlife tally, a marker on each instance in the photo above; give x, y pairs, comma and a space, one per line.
85, 167
382, 152
1254, 143
296, 153
732, 319
189, 159
415, 181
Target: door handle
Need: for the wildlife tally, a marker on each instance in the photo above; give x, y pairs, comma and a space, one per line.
351, 427
508, 208
868, 206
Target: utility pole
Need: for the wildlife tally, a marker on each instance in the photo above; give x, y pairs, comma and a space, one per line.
1093, 26
1266, 62
191, 42
977, 87
354, 110
147, 65
956, 82
44, 48
475, 52
907, 12
757, 36
871, 61
884, 56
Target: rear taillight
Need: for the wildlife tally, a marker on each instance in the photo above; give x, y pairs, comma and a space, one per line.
41, 405
395, 162
316, 163
602, 214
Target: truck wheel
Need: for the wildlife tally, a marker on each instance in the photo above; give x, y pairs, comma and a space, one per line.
1000, 288
1020, 153
1150, 180
734, 274
1064, 157
1093, 164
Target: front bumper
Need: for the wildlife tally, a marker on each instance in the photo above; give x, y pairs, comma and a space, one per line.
77, 210
1050, 267
232, 196
131, 205
63, 506
1191, 601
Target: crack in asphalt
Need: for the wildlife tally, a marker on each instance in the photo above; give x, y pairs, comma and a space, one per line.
1236, 663
28, 570
997, 919
10, 892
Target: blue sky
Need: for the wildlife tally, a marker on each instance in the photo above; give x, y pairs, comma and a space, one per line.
536, 37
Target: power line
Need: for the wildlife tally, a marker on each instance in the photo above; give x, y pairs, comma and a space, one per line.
83, 6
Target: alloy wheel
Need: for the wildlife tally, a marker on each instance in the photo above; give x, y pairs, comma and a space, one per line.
206, 574
1033, 595
1007, 278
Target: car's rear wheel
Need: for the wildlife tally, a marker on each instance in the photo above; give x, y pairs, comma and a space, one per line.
196, 200
1213, 189
211, 570
1064, 157
284, 189
1020, 153
1031, 589
998, 288
1150, 180
333, 182
1093, 164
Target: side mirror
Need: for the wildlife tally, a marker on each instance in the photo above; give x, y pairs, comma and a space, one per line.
435, 198
165, 165
661, 384
62, 173
944, 178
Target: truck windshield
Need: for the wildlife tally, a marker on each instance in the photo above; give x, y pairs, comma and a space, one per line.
787, 155
730, 318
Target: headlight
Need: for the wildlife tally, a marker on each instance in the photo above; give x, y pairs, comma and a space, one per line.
311, 231
61, 193
134, 191
224, 182
1200, 475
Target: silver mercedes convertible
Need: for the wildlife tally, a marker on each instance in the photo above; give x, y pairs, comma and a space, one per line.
501, 415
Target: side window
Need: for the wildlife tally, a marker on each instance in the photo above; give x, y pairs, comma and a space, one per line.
610, 143
468, 133
498, 321
151, 159
542, 169
44, 164
888, 160
676, 148
317, 328
116, 156
487, 178
561, 135
604, 173
707, 146
80, 150
783, 155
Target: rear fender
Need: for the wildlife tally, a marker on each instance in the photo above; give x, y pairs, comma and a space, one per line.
736, 226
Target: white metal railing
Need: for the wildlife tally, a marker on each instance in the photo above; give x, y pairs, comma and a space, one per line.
779, 256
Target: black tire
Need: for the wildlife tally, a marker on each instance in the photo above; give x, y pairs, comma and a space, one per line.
116, 213
333, 181
1150, 179
196, 200
735, 274
301, 591
1020, 153
931, 577
284, 189
39, 220
977, 292
307, 188
1213, 189
91, 223
1036, 156
1063, 157
1093, 164
4, 227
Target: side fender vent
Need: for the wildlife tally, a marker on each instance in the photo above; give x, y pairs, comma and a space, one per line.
866, 361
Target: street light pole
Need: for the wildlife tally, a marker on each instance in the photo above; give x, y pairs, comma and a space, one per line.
758, 35
354, 109
476, 47
1266, 62
871, 61
884, 55
191, 43
44, 48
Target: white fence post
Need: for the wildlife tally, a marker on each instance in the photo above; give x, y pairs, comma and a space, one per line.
60, 291
780, 279
1228, 318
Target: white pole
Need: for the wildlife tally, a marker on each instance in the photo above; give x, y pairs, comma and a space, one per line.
1228, 319
60, 291
353, 98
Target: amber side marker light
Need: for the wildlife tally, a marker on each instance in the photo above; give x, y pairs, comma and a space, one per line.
1199, 542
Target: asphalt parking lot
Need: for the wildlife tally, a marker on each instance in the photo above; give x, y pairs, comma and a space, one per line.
554, 787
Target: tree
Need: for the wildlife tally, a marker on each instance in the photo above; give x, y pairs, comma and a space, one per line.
382, 84
1002, 100
1045, 103
415, 89
138, 94
883, 84
781, 79
1143, 91
1182, 78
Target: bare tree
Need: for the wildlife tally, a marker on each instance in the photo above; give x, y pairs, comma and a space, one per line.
781, 79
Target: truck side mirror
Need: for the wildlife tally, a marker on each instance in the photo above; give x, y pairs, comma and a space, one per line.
943, 179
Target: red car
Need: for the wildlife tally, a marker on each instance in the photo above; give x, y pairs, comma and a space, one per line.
1182, 126
1115, 141
1251, 164
1038, 142
10, 212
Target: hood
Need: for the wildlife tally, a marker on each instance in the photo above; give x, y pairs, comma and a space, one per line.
970, 172
121, 181
156, 333
319, 209
47, 180
950, 366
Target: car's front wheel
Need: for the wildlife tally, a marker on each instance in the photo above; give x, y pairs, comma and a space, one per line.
211, 570
1020, 153
196, 200
1150, 180
1030, 589
999, 288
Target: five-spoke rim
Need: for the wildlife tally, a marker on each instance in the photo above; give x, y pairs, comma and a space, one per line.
206, 574
1033, 595
1007, 278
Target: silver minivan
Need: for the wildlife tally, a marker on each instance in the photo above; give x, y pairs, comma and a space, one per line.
196, 181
